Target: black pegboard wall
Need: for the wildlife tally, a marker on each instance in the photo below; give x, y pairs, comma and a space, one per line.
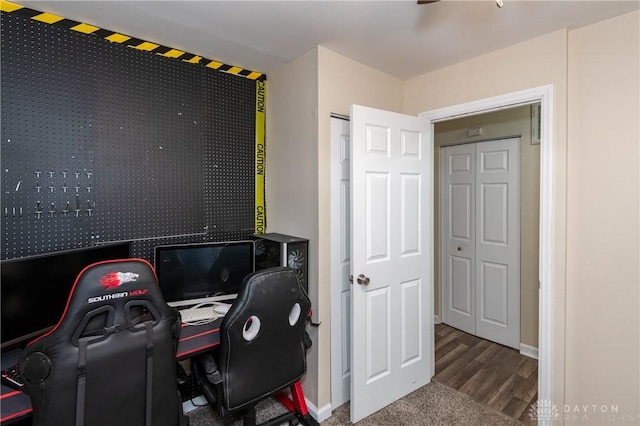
45, 138
111, 143
149, 136
229, 162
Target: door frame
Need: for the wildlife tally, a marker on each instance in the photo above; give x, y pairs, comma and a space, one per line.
544, 95
340, 355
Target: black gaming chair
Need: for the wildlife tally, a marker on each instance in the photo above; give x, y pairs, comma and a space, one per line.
110, 360
262, 345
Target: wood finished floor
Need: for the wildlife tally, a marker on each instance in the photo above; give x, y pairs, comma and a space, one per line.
488, 372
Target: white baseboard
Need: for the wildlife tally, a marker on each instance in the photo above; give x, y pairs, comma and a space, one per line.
193, 403
530, 351
320, 415
436, 319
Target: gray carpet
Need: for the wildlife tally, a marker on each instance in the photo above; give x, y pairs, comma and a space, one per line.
435, 405
205, 416
432, 405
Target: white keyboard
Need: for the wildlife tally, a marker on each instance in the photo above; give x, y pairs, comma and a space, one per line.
202, 313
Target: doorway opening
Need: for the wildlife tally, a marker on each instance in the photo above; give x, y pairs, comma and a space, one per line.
544, 113
542, 95
469, 359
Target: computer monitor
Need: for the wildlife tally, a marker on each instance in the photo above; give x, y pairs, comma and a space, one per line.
190, 274
34, 290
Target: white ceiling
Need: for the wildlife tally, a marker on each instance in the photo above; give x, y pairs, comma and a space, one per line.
399, 37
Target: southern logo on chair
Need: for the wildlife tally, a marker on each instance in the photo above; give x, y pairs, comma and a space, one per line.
115, 279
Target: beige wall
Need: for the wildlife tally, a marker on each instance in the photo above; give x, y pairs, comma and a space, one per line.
535, 63
603, 247
501, 124
292, 173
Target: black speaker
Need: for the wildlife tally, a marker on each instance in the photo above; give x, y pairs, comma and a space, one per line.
274, 249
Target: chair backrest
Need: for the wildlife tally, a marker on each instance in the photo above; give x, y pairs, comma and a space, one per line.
261, 338
110, 360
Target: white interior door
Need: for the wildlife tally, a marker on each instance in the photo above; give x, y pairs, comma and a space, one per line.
391, 258
340, 262
481, 239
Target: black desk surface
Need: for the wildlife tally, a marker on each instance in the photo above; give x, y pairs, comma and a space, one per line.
194, 339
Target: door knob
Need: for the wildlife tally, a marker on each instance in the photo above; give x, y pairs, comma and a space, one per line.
362, 280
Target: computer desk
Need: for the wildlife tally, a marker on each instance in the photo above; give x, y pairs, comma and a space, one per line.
194, 339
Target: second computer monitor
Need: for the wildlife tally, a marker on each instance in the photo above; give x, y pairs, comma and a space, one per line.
193, 273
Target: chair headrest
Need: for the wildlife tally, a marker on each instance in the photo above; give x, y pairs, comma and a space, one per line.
113, 286
277, 289
263, 298
114, 282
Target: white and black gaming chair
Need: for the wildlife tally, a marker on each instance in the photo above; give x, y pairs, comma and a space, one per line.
262, 348
110, 360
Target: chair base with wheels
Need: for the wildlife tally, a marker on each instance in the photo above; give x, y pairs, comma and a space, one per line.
210, 381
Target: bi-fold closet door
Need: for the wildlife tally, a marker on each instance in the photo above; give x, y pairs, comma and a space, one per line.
480, 211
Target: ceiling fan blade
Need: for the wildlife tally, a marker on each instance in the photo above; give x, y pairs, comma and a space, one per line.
427, 1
